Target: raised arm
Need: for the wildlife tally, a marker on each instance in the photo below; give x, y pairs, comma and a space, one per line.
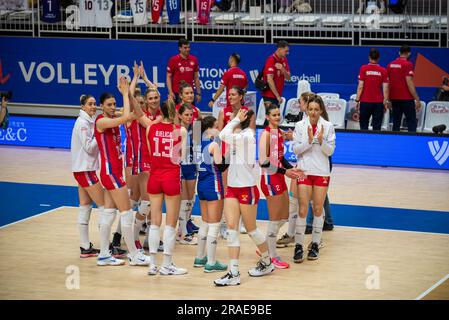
132, 86
106, 123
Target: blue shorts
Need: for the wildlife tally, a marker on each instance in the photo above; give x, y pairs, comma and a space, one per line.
209, 195
189, 172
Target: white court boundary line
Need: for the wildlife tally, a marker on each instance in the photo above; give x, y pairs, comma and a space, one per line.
37, 215
425, 293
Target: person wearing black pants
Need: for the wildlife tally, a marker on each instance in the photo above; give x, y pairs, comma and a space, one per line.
404, 98
373, 81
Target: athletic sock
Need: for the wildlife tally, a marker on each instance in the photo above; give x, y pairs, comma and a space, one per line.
212, 235
300, 230
183, 216
202, 240
272, 232
292, 216
234, 266
83, 225
317, 228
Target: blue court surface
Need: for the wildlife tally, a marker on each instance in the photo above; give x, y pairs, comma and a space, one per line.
23, 200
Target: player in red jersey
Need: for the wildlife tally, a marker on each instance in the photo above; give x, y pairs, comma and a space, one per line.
107, 135
234, 76
166, 142
272, 180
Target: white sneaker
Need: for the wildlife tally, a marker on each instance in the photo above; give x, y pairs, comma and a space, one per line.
261, 269
228, 280
288, 10
109, 261
189, 240
281, 9
267, 9
232, 8
153, 270
243, 8
172, 270
139, 259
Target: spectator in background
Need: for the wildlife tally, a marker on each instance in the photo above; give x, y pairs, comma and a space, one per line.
373, 79
183, 66
4, 115
443, 91
404, 98
234, 76
275, 72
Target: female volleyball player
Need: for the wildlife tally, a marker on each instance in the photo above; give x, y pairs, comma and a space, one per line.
84, 150
314, 143
211, 195
242, 196
107, 135
236, 100
289, 236
166, 142
272, 181
189, 173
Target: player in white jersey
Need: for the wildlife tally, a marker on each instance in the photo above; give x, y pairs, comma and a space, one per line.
103, 13
87, 13
242, 196
84, 151
139, 9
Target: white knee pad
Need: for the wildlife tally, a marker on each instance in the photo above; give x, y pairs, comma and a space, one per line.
293, 205
107, 217
257, 237
127, 219
84, 214
169, 240
144, 207
154, 237
233, 238
214, 229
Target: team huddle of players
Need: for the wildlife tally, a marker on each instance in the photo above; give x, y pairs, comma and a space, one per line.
173, 152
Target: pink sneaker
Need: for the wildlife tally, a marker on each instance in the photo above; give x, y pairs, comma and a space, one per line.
278, 263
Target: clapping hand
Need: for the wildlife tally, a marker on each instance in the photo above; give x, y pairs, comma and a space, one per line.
320, 135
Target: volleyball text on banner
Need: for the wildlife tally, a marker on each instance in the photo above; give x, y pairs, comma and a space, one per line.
139, 10
203, 7
103, 13
173, 9
156, 10
51, 11
87, 13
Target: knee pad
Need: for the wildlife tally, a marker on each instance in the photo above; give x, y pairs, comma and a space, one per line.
169, 240
214, 229
273, 228
202, 232
233, 238
84, 214
144, 207
127, 219
257, 237
107, 217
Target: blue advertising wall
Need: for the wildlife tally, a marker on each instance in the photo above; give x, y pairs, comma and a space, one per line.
396, 150
58, 71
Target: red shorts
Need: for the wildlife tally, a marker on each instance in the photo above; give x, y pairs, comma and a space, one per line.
143, 166
245, 195
86, 178
272, 184
128, 158
112, 181
168, 185
315, 181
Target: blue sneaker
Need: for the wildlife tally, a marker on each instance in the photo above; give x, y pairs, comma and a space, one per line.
191, 227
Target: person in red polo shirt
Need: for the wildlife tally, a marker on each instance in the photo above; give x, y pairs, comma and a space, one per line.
275, 72
404, 98
234, 76
183, 67
373, 79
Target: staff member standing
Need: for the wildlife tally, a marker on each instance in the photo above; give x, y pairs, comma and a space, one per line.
404, 98
183, 66
234, 76
275, 72
372, 78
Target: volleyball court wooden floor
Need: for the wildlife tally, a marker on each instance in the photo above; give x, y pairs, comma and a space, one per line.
38, 256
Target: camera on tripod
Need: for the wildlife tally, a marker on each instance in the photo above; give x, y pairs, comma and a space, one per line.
6, 94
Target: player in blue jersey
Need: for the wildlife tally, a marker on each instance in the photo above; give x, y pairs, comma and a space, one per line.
211, 194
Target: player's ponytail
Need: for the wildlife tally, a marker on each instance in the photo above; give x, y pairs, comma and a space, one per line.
245, 124
168, 110
84, 98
